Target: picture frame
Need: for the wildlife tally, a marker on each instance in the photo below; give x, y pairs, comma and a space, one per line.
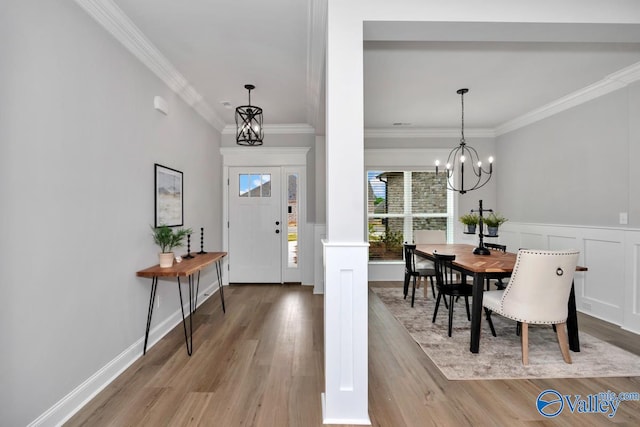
168, 196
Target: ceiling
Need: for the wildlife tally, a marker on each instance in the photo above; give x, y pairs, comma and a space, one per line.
412, 70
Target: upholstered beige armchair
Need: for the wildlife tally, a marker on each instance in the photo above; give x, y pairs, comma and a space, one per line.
537, 293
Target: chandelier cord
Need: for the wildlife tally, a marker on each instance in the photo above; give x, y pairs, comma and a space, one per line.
462, 141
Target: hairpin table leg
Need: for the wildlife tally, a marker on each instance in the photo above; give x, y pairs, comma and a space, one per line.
219, 272
188, 338
154, 286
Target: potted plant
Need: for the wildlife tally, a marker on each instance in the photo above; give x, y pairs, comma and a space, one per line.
168, 239
471, 221
493, 221
393, 243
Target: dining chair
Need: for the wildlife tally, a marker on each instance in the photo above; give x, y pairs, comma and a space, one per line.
421, 237
411, 273
498, 279
424, 237
537, 293
450, 284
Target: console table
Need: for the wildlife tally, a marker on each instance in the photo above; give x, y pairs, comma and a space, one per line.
187, 268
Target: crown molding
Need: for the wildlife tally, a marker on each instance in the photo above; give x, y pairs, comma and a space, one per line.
287, 129
118, 24
610, 83
427, 133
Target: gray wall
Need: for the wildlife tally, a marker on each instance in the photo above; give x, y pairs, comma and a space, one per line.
78, 140
634, 155
576, 167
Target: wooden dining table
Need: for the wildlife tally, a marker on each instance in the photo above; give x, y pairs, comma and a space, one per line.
497, 264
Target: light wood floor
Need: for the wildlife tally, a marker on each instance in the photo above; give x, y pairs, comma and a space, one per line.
261, 364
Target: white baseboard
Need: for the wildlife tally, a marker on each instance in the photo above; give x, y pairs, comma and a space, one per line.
66, 407
352, 421
634, 330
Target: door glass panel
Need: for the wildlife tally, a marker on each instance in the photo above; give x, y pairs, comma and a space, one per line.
244, 185
292, 219
266, 185
254, 185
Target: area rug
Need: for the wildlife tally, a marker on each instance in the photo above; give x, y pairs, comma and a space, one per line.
500, 357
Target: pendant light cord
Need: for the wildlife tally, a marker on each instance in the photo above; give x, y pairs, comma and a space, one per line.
462, 141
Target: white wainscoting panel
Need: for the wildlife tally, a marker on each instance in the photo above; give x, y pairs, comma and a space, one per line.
308, 248
631, 319
386, 271
562, 242
531, 240
603, 289
319, 233
609, 290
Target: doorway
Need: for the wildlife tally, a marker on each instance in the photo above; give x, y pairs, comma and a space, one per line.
264, 216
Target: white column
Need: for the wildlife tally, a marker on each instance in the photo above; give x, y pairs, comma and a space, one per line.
345, 400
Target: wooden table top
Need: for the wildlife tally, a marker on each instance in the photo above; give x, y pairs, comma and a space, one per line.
185, 268
497, 262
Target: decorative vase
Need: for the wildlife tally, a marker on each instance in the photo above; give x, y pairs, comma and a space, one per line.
492, 231
166, 259
471, 228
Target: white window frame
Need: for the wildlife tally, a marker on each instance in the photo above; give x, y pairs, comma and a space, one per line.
404, 160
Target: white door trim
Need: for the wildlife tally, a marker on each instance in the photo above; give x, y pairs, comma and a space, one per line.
264, 156
260, 156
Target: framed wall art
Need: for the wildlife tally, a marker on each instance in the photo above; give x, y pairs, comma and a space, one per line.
169, 202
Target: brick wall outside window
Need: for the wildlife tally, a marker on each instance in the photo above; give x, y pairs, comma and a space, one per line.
428, 196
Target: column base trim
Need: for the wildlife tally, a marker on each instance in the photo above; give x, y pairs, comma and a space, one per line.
355, 421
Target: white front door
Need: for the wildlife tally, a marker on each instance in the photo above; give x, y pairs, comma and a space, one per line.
255, 225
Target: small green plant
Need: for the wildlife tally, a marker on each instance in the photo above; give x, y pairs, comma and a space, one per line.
470, 219
168, 238
392, 240
494, 219
373, 235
